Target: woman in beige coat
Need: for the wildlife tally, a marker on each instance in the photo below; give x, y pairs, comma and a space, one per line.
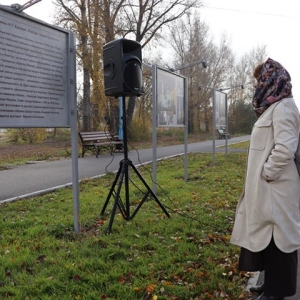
267, 221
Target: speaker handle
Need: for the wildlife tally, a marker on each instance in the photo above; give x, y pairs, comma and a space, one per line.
110, 69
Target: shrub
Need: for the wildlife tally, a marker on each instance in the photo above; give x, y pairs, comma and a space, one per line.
139, 132
27, 135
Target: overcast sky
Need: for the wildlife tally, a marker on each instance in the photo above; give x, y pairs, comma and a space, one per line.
248, 23
252, 23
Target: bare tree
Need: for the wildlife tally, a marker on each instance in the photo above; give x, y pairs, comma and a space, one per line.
190, 46
193, 44
97, 22
241, 114
146, 21
81, 16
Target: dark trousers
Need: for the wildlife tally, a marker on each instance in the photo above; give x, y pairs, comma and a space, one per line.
280, 269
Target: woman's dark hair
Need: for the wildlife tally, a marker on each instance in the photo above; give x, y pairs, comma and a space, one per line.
257, 71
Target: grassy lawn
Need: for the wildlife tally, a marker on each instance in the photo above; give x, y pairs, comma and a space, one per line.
241, 145
186, 256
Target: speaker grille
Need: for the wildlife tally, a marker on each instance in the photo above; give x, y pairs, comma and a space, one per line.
132, 77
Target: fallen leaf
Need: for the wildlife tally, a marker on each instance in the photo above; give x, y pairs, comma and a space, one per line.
150, 288
41, 258
77, 278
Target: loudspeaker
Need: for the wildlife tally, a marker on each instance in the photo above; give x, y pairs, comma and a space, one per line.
122, 63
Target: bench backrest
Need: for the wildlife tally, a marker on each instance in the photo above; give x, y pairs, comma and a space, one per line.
94, 136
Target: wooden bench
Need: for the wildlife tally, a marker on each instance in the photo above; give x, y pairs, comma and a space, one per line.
222, 134
97, 140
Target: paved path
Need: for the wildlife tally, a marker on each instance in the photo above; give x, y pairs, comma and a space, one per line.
40, 177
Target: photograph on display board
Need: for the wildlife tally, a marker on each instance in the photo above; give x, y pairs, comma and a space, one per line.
170, 99
220, 109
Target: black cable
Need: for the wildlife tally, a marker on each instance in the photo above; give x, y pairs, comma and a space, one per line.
112, 152
176, 209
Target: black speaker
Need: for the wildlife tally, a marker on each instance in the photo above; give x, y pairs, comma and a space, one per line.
122, 63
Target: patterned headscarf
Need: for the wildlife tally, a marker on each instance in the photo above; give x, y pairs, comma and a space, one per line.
274, 84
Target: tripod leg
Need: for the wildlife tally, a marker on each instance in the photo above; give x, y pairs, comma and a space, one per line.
121, 206
124, 208
149, 192
117, 198
112, 189
123, 171
139, 205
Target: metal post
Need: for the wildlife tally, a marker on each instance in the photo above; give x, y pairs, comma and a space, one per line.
154, 125
186, 119
226, 115
73, 122
214, 126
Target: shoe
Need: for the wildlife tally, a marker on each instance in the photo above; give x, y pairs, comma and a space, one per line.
258, 289
264, 297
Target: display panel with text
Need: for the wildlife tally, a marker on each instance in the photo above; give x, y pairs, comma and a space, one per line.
220, 109
33, 72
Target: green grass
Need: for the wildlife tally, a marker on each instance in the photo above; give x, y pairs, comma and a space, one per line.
241, 145
186, 256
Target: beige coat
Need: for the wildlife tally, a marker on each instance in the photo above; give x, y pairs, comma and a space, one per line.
270, 201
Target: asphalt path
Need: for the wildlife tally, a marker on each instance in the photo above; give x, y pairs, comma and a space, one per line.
35, 178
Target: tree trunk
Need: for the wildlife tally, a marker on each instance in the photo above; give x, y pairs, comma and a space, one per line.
86, 105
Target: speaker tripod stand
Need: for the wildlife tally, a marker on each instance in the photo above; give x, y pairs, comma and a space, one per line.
121, 178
